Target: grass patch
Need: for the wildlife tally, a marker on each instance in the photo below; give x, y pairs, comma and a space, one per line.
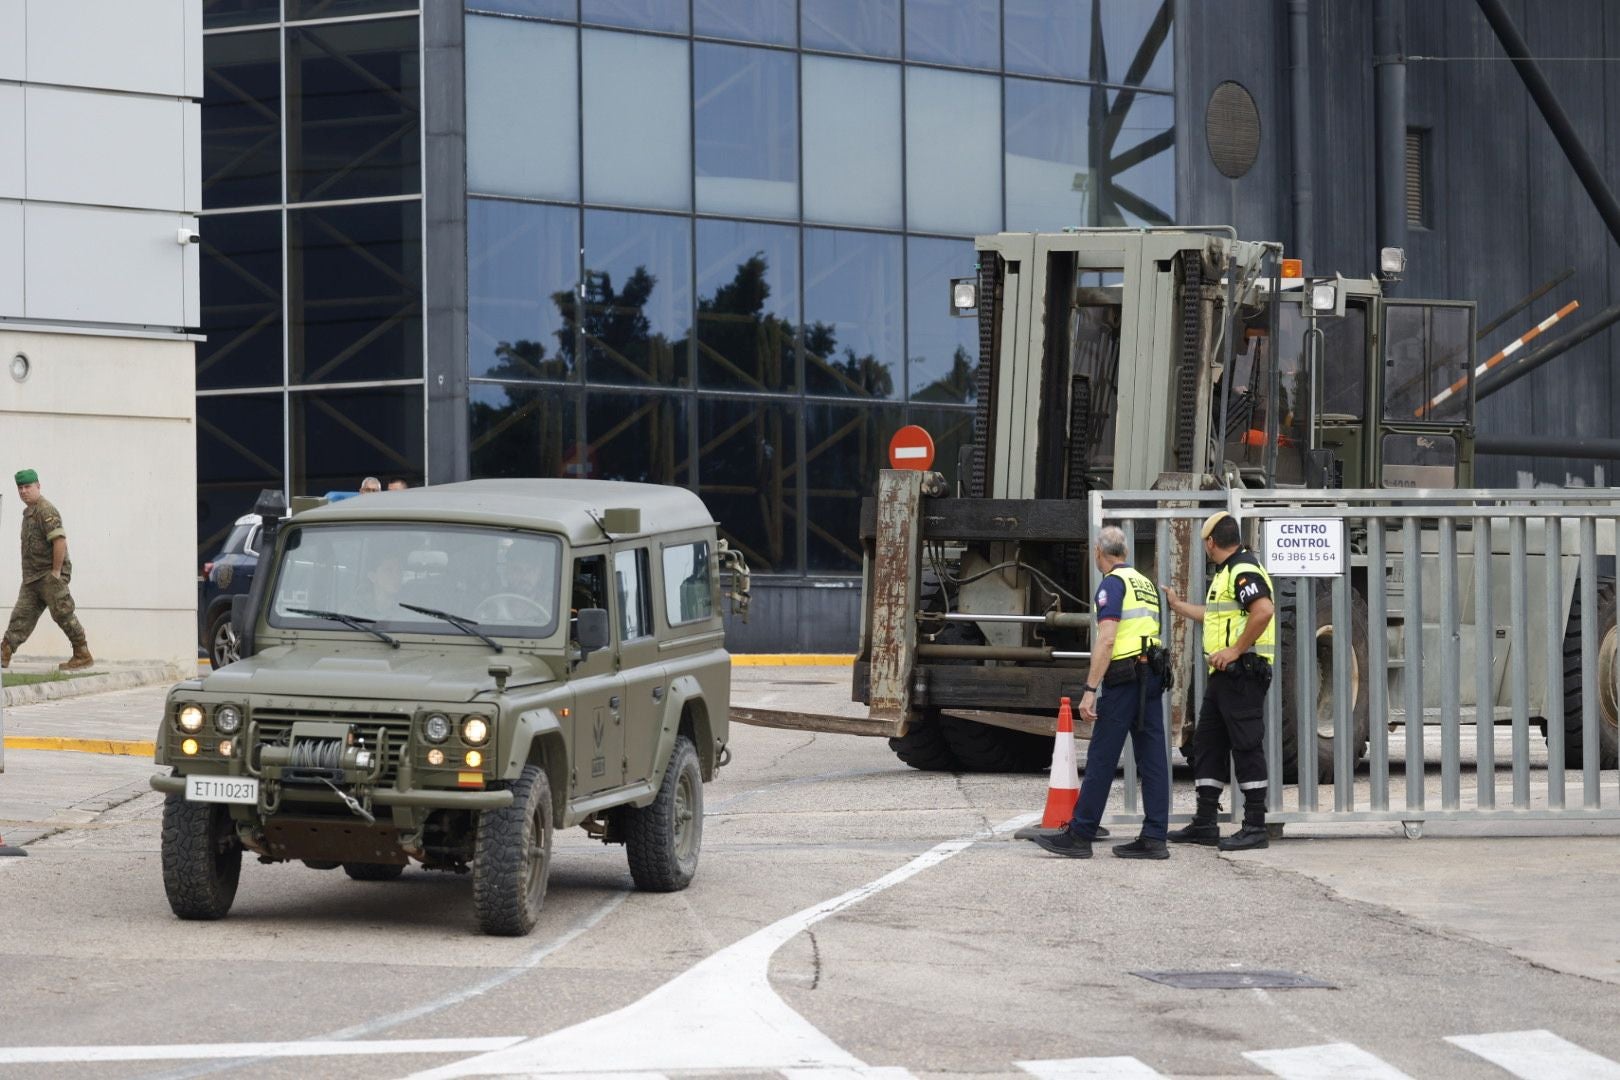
26, 679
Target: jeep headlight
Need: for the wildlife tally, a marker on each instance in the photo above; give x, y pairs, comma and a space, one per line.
475, 730
228, 720
436, 728
191, 718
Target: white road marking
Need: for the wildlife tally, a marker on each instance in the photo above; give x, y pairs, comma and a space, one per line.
1126, 1068
1335, 1061
721, 1013
866, 1072
438, 1004
57, 1055
1538, 1055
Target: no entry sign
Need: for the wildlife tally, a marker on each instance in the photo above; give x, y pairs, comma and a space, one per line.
911, 448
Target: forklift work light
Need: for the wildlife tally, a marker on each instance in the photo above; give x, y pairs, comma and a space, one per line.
1391, 260
964, 295
1324, 296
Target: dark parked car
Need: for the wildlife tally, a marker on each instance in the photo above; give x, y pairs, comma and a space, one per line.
229, 573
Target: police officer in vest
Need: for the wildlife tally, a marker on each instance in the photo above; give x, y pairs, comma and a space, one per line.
1239, 644
1123, 696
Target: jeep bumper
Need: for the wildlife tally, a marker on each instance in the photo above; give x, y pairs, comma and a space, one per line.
433, 799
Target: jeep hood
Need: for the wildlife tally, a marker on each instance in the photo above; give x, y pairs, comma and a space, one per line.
383, 674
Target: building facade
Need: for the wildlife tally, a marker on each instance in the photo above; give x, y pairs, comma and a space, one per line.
707, 242
99, 168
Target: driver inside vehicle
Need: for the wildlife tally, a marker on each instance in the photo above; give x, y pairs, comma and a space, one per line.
525, 597
377, 595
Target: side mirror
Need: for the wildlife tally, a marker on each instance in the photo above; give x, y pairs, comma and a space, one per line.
591, 630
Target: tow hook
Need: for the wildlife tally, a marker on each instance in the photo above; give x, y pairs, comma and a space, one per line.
351, 802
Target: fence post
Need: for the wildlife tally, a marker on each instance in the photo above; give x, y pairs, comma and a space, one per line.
1484, 670
1521, 665
1591, 796
1450, 671
1344, 720
1305, 689
1378, 658
1552, 553
1412, 672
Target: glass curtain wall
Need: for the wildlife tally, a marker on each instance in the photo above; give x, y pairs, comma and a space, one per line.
311, 376
710, 241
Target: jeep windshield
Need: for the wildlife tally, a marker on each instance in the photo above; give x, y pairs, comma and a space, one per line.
503, 580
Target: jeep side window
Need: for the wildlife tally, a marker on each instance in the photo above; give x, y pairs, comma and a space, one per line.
590, 583
630, 582
688, 582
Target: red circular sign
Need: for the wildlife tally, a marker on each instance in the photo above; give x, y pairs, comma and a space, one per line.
911, 448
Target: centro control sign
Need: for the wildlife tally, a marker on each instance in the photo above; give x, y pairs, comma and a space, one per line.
1304, 547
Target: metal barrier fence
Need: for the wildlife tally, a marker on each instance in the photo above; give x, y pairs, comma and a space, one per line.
1484, 605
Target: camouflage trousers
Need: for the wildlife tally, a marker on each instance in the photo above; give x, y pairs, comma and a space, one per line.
33, 600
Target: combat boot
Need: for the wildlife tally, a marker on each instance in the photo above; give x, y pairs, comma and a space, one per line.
1248, 838
80, 659
5, 653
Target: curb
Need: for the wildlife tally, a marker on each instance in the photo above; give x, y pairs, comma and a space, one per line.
127, 678
792, 660
116, 747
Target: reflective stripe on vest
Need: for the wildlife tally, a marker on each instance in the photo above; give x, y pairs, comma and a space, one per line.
1224, 618
1138, 628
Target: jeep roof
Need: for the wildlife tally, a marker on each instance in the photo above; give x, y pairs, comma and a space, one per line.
559, 505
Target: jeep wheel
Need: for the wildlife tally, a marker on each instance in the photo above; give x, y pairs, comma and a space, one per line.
223, 648
373, 871
513, 858
663, 839
202, 859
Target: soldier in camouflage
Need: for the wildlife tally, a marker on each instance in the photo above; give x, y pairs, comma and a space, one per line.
45, 575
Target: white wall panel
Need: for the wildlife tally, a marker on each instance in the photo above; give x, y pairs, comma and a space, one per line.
108, 266
11, 142
13, 39
191, 141
86, 146
192, 21
138, 45
11, 260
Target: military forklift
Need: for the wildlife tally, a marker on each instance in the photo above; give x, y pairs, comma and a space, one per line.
1172, 359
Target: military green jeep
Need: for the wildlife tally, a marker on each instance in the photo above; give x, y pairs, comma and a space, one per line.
447, 675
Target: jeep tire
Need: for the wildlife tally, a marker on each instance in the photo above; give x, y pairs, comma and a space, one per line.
512, 858
373, 871
664, 838
202, 858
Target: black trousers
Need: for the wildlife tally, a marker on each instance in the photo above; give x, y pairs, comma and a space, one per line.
1231, 724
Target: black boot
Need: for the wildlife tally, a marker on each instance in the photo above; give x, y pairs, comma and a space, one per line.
1064, 843
1142, 848
1248, 838
1203, 829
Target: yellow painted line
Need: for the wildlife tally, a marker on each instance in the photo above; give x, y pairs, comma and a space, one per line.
792, 660
119, 747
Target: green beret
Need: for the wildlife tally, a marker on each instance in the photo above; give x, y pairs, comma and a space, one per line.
27, 476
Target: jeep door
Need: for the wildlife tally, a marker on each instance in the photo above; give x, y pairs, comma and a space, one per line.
639, 658
597, 737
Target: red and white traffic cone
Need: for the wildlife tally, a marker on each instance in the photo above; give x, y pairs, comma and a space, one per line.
6, 849
1063, 789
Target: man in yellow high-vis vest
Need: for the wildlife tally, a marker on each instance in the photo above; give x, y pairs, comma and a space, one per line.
1240, 646
1124, 697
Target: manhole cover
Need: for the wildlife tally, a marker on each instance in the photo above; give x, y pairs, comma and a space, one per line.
1235, 980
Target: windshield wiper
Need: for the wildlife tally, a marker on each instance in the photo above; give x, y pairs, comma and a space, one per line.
460, 622
353, 622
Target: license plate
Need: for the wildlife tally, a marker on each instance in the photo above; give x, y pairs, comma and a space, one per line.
223, 789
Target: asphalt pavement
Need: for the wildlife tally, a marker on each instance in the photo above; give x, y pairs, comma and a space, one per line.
851, 917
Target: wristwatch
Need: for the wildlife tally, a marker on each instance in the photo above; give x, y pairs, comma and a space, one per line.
1084, 690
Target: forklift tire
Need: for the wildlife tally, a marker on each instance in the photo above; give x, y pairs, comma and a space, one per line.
1359, 672
985, 748
923, 746
1608, 708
